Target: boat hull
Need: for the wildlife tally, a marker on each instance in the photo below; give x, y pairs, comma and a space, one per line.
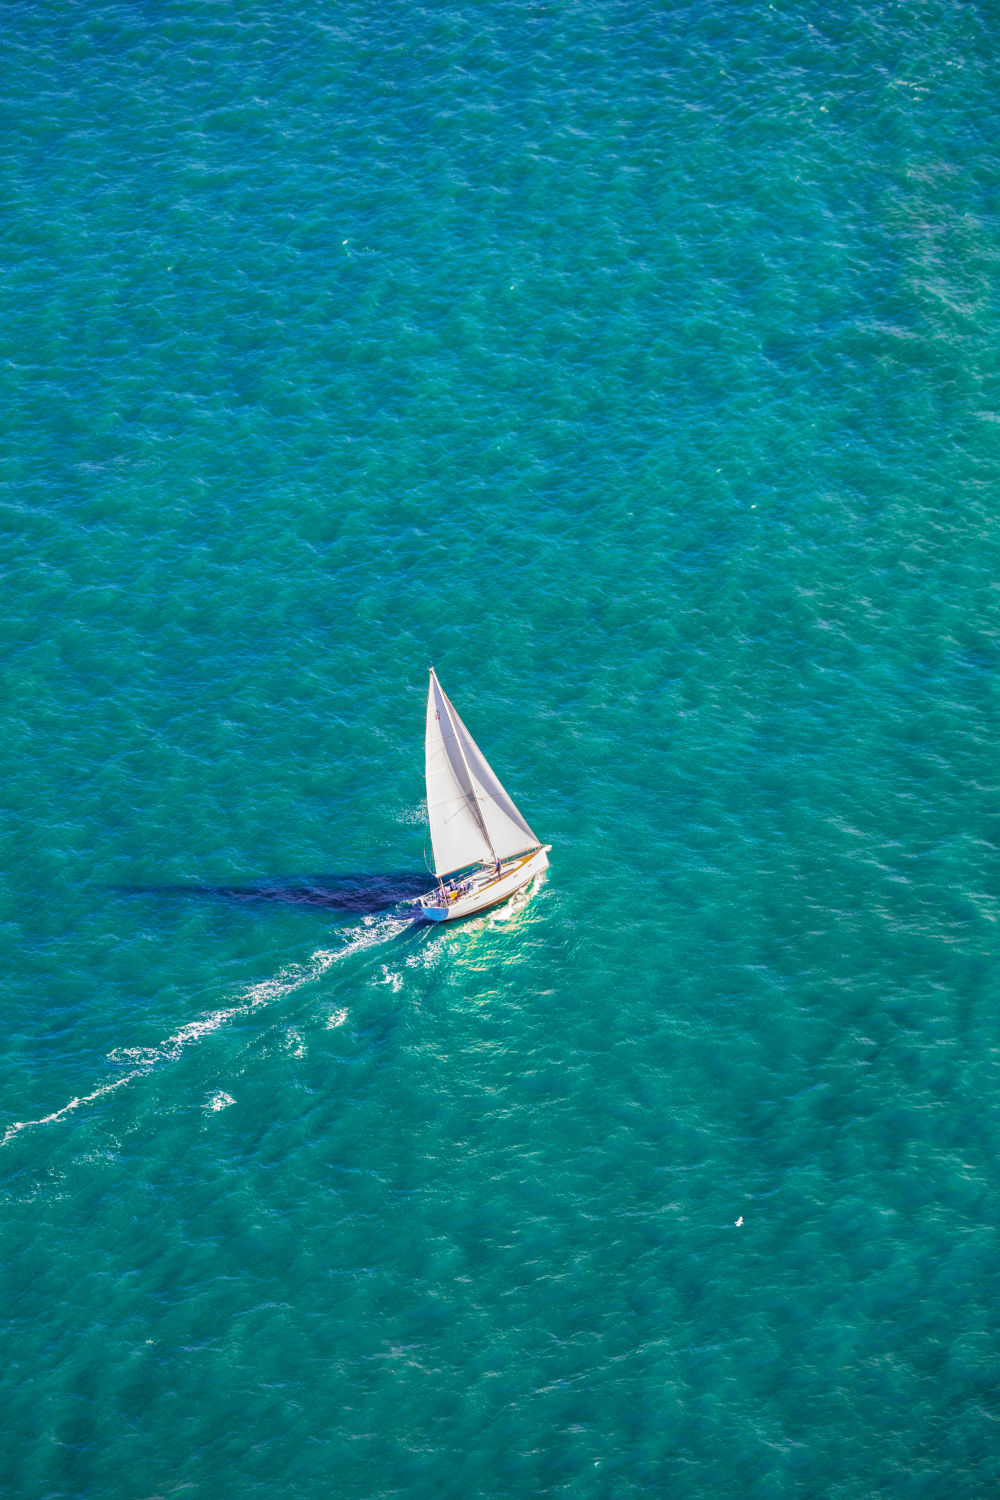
484, 893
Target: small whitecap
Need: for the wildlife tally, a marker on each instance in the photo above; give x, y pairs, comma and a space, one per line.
337, 1018
221, 1100
428, 955
415, 814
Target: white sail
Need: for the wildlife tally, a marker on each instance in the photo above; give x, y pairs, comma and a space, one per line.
471, 816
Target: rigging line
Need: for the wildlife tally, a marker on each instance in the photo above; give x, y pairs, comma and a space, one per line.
430, 871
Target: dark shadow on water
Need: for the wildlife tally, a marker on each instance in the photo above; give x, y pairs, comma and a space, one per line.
360, 894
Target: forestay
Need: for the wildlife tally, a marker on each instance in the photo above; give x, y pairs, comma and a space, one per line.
471, 816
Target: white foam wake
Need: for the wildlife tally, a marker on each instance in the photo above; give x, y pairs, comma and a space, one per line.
57, 1114
371, 931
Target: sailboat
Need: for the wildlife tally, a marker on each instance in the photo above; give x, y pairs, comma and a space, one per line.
484, 851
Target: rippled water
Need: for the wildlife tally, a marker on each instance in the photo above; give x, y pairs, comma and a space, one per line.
638, 367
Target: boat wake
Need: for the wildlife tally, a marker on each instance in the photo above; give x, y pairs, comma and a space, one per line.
373, 931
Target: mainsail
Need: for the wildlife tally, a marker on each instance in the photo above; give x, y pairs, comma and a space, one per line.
471, 816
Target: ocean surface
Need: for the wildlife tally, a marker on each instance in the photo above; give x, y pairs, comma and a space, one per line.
639, 367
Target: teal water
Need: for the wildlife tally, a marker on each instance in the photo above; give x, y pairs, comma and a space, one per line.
638, 366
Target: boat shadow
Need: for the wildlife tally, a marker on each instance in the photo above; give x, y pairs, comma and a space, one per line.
359, 894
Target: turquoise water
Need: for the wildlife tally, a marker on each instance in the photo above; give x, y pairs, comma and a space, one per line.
639, 368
